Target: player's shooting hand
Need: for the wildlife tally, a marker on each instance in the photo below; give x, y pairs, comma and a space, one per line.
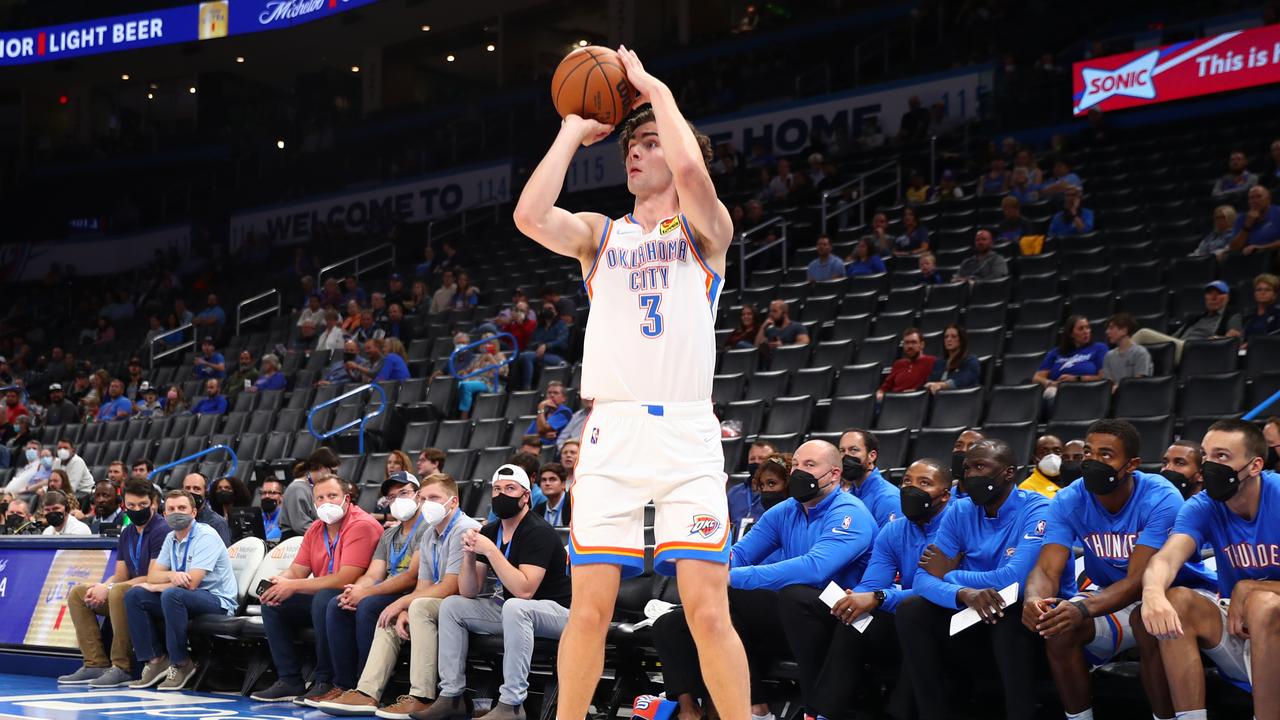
644, 83
986, 602
587, 130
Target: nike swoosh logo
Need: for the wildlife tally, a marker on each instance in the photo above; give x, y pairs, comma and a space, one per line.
838, 531
1031, 537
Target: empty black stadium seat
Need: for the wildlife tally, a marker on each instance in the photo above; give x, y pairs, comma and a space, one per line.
1262, 356
986, 292
858, 379
488, 433
990, 315
937, 443
743, 361
948, 295
733, 454
937, 319
748, 412
1037, 287
952, 408
1261, 388
813, 381
835, 353
768, 384
864, 302
986, 342
1142, 397
789, 415
1209, 357
488, 406
453, 434
1042, 310
851, 327
1094, 306
727, 388
903, 410
881, 350
460, 463
1032, 338
488, 462
1155, 433
784, 442
521, 403
789, 357
1018, 368
892, 452
1019, 436
1221, 395
1081, 401
904, 300
374, 471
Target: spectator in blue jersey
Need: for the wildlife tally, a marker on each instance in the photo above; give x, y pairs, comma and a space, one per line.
553, 415
1073, 218
1063, 179
115, 406
829, 651
548, 345
209, 363
819, 534
1240, 633
1077, 358
1237, 180
914, 239
212, 403
270, 378
1121, 517
744, 502
211, 319
386, 356
929, 273
864, 260
988, 541
344, 370
860, 477
826, 266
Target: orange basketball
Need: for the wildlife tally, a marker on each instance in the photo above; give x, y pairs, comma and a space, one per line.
590, 82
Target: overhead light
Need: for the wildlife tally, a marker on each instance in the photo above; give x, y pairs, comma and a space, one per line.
154, 86
426, 28
582, 43
490, 47
192, 89
151, 96
280, 144
449, 58
355, 68
239, 58
124, 76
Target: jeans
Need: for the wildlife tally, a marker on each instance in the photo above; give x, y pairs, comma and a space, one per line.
517, 621
350, 635
175, 606
467, 390
526, 362
281, 623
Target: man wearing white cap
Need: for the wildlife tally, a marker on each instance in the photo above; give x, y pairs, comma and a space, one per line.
531, 599
59, 410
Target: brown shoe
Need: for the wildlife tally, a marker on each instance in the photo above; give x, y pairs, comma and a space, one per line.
351, 702
328, 695
402, 707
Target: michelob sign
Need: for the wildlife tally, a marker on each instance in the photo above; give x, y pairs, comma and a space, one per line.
215, 19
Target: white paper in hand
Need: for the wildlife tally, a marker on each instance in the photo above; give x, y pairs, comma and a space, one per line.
969, 617
832, 595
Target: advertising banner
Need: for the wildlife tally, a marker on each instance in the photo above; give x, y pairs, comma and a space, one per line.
50, 626
103, 256
1230, 61
22, 574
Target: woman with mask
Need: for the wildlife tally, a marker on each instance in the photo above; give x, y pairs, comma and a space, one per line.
397, 462
229, 492
486, 374
173, 403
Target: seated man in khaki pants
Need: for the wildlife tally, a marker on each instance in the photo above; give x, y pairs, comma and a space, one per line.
413, 617
140, 542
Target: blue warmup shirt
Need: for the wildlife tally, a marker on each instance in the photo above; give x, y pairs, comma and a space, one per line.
997, 550
830, 542
1076, 514
896, 555
881, 497
1245, 549
743, 503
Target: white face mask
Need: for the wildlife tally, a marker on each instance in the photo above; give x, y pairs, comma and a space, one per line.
330, 513
64, 454
433, 511
403, 509
1050, 465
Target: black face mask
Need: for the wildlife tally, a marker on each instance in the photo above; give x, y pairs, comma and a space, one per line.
957, 465
981, 488
505, 506
55, 519
224, 498
199, 501
1071, 471
13, 522
1221, 482
769, 498
917, 504
802, 485
4, 508
1099, 477
547, 316
751, 472
139, 517
269, 505
1178, 480
852, 469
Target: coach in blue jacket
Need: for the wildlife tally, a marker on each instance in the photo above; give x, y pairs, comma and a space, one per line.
860, 476
821, 534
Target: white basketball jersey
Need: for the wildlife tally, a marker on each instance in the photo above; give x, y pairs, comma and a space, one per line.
651, 332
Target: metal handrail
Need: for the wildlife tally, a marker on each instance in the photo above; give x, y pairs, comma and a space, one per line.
461, 219
744, 255
348, 425
176, 349
453, 370
1262, 406
241, 320
861, 182
355, 259
235, 461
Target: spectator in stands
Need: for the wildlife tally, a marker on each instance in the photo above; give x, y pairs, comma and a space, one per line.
212, 403
911, 371
929, 273
555, 508
996, 180
1265, 319
413, 616
553, 415
91, 404
1125, 359
334, 553
1217, 320
1259, 228
196, 485
351, 290
154, 330
229, 492
105, 333
378, 307
915, 121
1021, 187
211, 319
826, 266
209, 363
443, 297
563, 305
947, 189
134, 379
573, 431
985, 263
465, 294
917, 191
74, 467
914, 239
1046, 475
1218, 242
141, 470
106, 506
531, 444
519, 322
1073, 218
779, 329
430, 461
341, 371
312, 316
1271, 432
148, 404
16, 436
743, 336
534, 593
780, 185
828, 650
879, 236
331, 337
1270, 177
549, 343
271, 377
1237, 180
174, 402
116, 473
59, 520
59, 410
395, 326
243, 376
958, 369
386, 358
139, 545
351, 323
299, 509
271, 500
12, 409
1077, 358
488, 381
34, 473
859, 451
864, 260
1063, 179
367, 329
1023, 159
1181, 466
569, 456
190, 576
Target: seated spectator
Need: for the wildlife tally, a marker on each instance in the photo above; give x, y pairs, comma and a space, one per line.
34, 474
1259, 228
443, 298
1046, 475
335, 552
1125, 359
569, 456
331, 337
1181, 465
555, 508
1077, 358
343, 369
209, 363
141, 470
211, 319
312, 316
1063, 179
106, 507
779, 329
17, 435
531, 444
1237, 180
229, 492
56, 509
744, 335
481, 379
190, 576
947, 189
743, 503
18, 519
387, 358
271, 500
367, 329
957, 369
395, 326
996, 180
881, 240
826, 266
351, 324
563, 305
914, 239
116, 474
1022, 189
427, 266
91, 404
212, 403
1218, 242
465, 294
351, 290
148, 404
78, 477
1217, 320
553, 415
134, 379
929, 272
1265, 319
174, 403
917, 191
576, 423
780, 185
299, 508
520, 325
985, 263
1271, 432
378, 307
243, 376
548, 345
1023, 160
139, 545
860, 477
12, 409
106, 332
915, 122
864, 260
197, 486
1073, 218
911, 371
271, 377
532, 597
59, 410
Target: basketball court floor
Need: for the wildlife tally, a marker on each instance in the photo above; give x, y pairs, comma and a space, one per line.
30, 696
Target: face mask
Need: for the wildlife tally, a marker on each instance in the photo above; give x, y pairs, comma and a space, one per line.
1179, 480
917, 504
139, 517
1273, 457
55, 519
769, 498
179, 521
13, 522
348, 356
64, 454
1069, 471
17, 427
224, 498
1221, 482
172, 396
46, 462
803, 485
269, 505
957, 464
4, 508
1050, 465
851, 468
751, 472
505, 506
982, 488
433, 512
1099, 477
403, 509
330, 513
32, 455
199, 501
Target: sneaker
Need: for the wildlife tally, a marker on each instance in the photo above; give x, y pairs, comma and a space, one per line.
503, 711
280, 691
351, 702
82, 676
402, 708
178, 676
113, 677
317, 693
445, 707
152, 673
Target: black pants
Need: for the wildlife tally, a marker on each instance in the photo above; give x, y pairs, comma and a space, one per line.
754, 614
928, 650
833, 657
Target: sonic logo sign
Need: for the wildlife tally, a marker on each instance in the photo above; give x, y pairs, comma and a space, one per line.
1229, 61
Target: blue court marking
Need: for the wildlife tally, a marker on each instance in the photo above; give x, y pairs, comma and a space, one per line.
28, 696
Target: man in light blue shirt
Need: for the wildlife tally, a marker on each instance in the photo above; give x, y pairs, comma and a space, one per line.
116, 406
191, 576
212, 318
826, 266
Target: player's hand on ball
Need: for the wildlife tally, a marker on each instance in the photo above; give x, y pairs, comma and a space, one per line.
640, 79
588, 131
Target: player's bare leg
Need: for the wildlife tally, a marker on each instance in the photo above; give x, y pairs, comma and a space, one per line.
1262, 618
1201, 628
704, 592
581, 657
1151, 668
1069, 668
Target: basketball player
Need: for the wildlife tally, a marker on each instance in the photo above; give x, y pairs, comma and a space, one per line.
653, 277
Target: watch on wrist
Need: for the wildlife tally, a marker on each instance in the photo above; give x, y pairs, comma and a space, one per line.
1084, 610
880, 596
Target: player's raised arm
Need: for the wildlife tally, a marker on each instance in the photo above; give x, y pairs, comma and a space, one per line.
536, 215
697, 193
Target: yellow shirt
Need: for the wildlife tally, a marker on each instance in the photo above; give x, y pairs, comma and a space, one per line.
1037, 482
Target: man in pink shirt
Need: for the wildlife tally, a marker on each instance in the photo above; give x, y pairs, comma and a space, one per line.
911, 371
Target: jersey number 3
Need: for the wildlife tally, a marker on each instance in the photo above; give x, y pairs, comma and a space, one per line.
652, 325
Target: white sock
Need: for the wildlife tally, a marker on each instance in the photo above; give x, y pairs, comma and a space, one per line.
1086, 714
768, 716
1192, 715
